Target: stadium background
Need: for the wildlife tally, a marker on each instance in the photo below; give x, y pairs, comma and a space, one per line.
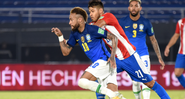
28, 46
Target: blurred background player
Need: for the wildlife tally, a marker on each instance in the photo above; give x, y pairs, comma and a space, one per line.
90, 40
180, 60
136, 28
130, 60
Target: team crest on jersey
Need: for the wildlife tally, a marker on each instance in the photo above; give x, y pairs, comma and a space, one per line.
135, 25
88, 37
83, 39
141, 27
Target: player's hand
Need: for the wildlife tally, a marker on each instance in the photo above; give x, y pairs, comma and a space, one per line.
166, 51
56, 31
162, 63
112, 62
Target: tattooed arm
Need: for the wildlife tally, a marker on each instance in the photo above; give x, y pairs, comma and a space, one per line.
114, 47
157, 51
65, 48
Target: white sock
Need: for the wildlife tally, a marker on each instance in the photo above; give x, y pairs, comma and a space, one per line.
146, 91
94, 86
136, 89
108, 92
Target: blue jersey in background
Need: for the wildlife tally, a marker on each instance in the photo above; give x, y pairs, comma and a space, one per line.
136, 32
90, 40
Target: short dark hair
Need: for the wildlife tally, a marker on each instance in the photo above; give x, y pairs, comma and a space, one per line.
135, 0
93, 3
81, 11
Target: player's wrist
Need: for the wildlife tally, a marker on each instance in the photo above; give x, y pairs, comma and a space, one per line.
61, 38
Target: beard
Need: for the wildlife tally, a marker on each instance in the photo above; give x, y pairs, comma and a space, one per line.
96, 18
134, 15
75, 27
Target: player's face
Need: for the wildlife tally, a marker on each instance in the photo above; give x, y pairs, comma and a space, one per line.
73, 21
94, 13
134, 8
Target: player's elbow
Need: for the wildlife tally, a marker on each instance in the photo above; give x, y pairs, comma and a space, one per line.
65, 53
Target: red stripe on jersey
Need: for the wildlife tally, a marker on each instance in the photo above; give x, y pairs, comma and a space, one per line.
181, 41
124, 51
181, 26
125, 48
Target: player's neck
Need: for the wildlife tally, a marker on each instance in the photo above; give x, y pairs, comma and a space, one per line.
100, 16
81, 28
135, 18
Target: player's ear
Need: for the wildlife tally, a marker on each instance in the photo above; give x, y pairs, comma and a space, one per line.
140, 8
80, 19
100, 10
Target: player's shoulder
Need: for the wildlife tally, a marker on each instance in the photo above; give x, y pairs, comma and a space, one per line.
108, 14
144, 19
181, 20
91, 27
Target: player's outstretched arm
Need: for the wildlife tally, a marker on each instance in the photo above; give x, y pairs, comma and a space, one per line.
100, 23
65, 48
172, 41
157, 51
114, 47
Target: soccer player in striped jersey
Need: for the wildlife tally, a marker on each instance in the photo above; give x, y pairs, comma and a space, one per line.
89, 38
180, 60
129, 60
136, 28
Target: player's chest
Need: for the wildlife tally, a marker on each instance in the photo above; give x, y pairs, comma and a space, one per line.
84, 38
135, 29
86, 41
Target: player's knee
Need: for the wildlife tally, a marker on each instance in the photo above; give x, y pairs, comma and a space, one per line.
177, 74
135, 83
150, 84
83, 83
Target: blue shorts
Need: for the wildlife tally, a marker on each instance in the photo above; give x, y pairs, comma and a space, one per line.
135, 67
180, 61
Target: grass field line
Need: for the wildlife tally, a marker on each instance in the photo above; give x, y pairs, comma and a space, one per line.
128, 94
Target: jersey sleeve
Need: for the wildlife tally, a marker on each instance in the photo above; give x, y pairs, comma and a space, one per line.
149, 30
98, 32
72, 41
109, 18
177, 28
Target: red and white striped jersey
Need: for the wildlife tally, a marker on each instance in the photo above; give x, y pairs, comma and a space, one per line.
124, 49
180, 29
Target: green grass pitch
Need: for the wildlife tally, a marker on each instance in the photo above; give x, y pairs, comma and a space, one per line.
174, 94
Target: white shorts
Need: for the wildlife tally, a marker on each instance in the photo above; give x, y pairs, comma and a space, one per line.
146, 60
101, 70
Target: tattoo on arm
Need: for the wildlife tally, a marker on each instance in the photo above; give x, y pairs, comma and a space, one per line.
114, 42
65, 45
65, 48
109, 35
155, 47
